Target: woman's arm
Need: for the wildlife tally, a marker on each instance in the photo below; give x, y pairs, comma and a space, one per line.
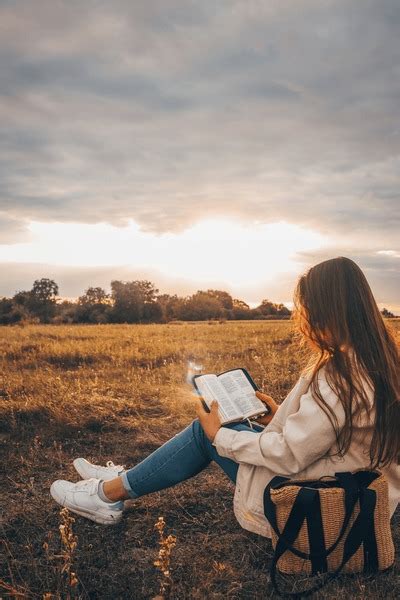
306, 436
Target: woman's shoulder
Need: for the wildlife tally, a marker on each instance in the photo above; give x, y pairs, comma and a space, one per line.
325, 384
304, 391
312, 376
319, 389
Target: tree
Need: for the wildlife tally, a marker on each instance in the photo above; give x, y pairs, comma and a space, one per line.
127, 302
44, 290
152, 312
94, 295
171, 306
224, 298
93, 306
22, 299
147, 289
240, 310
44, 293
283, 310
270, 310
11, 313
267, 308
67, 312
130, 298
387, 314
240, 304
200, 307
40, 301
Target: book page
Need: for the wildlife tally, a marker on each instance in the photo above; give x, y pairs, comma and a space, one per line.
211, 389
241, 392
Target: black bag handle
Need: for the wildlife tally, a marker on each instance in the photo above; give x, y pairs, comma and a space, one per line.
346, 481
361, 531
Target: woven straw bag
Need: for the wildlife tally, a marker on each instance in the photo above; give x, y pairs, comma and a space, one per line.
330, 525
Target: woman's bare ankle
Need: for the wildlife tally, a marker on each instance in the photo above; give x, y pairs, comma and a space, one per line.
114, 490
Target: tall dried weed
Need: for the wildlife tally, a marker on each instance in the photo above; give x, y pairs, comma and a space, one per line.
163, 561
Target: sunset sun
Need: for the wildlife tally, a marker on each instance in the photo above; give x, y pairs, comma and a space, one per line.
222, 250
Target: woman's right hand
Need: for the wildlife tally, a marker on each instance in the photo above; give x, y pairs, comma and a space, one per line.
271, 404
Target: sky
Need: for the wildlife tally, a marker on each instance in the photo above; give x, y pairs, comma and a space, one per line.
228, 144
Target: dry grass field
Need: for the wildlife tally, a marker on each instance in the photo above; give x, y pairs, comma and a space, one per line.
116, 392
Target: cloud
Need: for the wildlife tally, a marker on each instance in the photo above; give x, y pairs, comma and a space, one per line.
12, 230
382, 269
167, 113
162, 112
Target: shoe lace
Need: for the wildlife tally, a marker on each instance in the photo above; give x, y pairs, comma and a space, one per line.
90, 485
111, 465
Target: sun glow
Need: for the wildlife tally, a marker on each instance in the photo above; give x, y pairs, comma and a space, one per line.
219, 250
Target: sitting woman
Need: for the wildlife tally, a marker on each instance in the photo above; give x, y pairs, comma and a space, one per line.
343, 414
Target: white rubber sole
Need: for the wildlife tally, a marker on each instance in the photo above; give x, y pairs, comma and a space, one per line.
98, 516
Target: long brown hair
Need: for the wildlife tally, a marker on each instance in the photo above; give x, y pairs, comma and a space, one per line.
336, 311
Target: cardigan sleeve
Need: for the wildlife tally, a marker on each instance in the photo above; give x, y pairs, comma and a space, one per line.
306, 436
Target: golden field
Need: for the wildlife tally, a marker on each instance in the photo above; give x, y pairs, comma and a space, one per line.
116, 392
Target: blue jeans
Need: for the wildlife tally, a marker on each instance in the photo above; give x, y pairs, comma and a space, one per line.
182, 457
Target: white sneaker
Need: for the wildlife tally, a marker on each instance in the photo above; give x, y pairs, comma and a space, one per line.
82, 498
88, 471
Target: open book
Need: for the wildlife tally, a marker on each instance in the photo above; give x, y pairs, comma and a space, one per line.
234, 391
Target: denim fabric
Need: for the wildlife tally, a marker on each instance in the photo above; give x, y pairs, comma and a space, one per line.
182, 457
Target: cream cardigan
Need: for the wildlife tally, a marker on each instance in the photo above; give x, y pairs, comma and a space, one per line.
299, 442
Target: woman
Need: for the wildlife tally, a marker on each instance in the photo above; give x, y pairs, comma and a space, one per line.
343, 414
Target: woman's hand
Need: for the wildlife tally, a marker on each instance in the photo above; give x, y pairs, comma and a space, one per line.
209, 421
271, 404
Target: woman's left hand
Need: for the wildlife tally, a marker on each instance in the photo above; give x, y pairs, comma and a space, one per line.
209, 421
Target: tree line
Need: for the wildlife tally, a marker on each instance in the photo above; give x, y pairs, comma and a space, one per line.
129, 302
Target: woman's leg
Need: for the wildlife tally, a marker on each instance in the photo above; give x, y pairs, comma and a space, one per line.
185, 455
182, 457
